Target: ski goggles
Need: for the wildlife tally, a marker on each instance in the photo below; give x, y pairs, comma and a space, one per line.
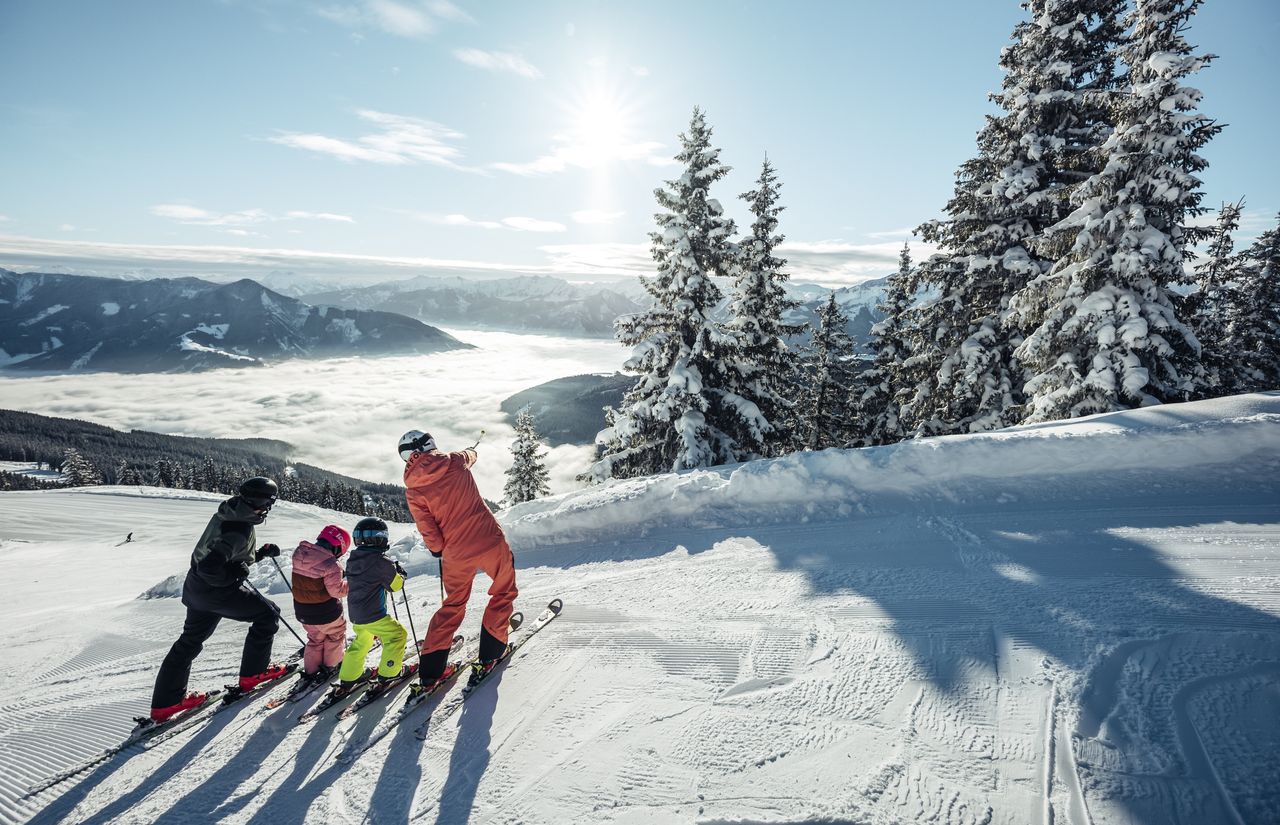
262, 505
364, 535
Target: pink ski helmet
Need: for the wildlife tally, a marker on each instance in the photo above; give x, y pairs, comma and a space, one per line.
338, 538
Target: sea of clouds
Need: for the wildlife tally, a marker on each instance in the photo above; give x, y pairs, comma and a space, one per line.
343, 414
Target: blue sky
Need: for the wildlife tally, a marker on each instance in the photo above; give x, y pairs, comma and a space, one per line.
389, 138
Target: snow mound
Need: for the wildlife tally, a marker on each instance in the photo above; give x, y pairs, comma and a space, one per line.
1107, 450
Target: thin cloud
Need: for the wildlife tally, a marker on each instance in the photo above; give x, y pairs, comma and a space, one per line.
640, 71
498, 62
320, 216
517, 223
583, 155
605, 259
836, 262
66, 227
195, 216
459, 220
596, 216
4, 218
448, 11
888, 234
533, 225
402, 19
400, 141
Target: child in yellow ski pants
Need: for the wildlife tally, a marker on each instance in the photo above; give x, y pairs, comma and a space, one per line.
392, 634
371, 575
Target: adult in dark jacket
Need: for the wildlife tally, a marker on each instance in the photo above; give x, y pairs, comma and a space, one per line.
214, 590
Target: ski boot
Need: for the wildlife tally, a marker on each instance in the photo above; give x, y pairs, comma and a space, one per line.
161, 715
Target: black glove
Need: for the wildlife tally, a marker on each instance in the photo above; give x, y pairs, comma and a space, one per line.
400, 570
267, 551
238, 570
435, 554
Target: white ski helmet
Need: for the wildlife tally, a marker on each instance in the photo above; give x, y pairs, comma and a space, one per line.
415, 441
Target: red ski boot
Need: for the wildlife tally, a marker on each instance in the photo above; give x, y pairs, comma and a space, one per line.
248, 683
191, 700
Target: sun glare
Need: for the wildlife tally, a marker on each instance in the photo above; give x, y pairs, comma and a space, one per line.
601, 128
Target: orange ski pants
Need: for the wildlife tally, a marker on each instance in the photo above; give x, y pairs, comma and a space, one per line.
458, 573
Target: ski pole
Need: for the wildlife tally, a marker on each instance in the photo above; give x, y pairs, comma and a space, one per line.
273, 606
441, 561
477, 444
404, 593
280, 570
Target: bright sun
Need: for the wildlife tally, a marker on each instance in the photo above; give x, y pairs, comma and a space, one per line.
600, 128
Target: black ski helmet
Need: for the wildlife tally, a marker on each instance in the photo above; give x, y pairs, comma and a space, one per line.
371, 532
259, 491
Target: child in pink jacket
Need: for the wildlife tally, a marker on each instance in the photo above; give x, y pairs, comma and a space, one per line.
318, 589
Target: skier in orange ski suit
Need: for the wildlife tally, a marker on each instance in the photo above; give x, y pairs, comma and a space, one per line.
460, 530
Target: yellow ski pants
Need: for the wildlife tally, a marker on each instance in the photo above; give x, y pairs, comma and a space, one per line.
393, 636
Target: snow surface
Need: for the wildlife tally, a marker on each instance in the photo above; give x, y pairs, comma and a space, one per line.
1061, 623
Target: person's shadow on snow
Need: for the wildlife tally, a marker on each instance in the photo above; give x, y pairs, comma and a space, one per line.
470, 757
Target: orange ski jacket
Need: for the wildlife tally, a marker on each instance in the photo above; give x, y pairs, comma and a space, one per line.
446, 504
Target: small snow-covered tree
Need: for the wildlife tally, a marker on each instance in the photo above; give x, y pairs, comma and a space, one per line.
675, 417
77, 471
1253, 328
1216, 303
877, 391
1109, 335
527, 477
830, 363
759, 367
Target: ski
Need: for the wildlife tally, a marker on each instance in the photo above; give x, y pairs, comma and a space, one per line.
415, 699
478, 676
378, 687
336, 694
144, 731
381, 687
302, 689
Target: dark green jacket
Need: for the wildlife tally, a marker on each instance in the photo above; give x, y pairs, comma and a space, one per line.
227, 540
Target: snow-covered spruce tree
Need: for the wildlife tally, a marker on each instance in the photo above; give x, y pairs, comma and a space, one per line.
878, 390
830, 364
678, 414
1253, 328
758, 365
1109, 335
77, 471
1215, 303
1029, 156
527, 477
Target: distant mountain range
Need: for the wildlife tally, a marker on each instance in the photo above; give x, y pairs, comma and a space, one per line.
551, 305
524, 304
570, 410
71, 322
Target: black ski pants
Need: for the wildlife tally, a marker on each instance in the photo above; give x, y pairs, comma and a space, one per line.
206, 606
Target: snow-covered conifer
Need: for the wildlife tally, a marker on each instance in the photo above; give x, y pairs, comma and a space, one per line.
758, 365
1108, 335
830, 363
527, 477
76, 469
672, 418
1253, 328
877, 391
1029, 156
1213, 307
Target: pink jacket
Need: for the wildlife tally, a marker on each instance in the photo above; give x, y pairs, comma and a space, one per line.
314, 562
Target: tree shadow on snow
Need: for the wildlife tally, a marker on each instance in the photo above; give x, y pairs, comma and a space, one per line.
1067, 565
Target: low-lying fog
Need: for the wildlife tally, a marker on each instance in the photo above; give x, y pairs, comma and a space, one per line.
342, 414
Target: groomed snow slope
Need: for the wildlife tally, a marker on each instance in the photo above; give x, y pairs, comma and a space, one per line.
1069, 623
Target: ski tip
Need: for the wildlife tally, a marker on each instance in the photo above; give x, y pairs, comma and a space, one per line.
555, 606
